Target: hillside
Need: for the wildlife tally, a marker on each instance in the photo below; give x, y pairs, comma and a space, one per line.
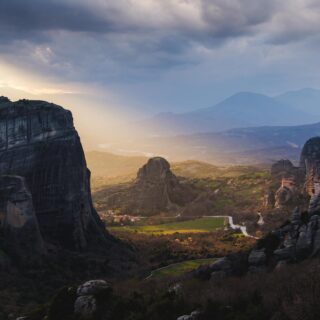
242, 146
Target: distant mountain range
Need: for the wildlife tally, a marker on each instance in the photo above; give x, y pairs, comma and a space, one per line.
254, 145
307, 100
244, 109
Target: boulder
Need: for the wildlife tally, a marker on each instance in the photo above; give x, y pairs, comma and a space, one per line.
85, 307
93, 287
257, 257
287, 253
193, 316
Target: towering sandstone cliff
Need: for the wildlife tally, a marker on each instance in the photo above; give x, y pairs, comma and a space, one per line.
40, 147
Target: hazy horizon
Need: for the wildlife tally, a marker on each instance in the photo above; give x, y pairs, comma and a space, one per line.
113, 63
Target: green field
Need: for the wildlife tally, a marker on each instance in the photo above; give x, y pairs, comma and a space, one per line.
199, 225
178, 269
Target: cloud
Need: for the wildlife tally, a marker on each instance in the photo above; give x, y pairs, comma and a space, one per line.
189, 18
295, 21
109, 39
114, 43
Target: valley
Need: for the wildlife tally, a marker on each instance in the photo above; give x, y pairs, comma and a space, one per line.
140, 235
159, 160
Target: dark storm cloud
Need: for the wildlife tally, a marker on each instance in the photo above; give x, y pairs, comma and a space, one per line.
44, 15
22, 19
103, 39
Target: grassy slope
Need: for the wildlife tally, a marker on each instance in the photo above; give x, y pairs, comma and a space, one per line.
189, 226
177, 269
239, 187
238, 191
193, 169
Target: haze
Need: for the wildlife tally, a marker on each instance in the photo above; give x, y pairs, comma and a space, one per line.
114, 62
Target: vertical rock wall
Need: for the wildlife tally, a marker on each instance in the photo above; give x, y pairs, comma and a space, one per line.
38, 141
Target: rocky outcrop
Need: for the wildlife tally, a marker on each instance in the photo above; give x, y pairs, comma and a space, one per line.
92, 300
38, 143
298, 238
287, 188
310, 164
285, 196
269, 199
193, 316
283, 168
86, 305
155, 190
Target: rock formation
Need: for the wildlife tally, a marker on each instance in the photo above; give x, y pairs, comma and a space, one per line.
298, 238
155, 190
310, 164
290, 181
283, 168
287, 193
49, 193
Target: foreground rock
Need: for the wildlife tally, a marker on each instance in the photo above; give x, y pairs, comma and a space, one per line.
193, 316
91, 300
86, 305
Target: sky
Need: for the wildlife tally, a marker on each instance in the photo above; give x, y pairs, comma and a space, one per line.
110, 60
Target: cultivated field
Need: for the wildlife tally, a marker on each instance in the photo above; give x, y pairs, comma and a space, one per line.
199, 225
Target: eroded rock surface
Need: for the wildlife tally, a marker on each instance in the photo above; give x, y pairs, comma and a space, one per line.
39, 143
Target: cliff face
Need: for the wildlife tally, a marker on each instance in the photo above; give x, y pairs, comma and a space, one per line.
310, 163
38, 142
